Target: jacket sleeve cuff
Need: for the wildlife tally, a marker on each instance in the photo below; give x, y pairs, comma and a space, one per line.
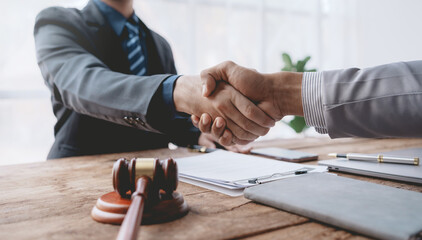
312, 101
168, 87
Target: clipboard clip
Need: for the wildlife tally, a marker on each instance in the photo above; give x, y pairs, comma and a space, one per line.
275, 176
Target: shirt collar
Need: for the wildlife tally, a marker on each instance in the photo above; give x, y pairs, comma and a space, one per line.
116, 19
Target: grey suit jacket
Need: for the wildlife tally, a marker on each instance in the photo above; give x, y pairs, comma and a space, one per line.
100, 107
382, 101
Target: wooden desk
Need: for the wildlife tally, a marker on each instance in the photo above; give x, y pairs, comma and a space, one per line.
53, 199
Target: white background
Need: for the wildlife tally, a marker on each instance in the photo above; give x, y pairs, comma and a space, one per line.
202, 33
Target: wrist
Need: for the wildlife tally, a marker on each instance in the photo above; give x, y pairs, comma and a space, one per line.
287, 92
185, 90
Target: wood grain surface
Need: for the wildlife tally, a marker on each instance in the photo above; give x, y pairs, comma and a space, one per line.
53, 199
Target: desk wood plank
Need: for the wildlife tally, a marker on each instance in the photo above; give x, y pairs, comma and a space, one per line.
307, 230
53, 199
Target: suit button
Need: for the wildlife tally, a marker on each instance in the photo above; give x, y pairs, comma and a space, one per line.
129, 120
138, 120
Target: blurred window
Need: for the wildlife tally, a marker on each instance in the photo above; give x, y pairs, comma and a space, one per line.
202, 33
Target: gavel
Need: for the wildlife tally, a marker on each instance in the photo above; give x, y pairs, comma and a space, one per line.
142, 179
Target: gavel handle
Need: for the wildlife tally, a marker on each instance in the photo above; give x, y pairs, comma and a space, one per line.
132, 221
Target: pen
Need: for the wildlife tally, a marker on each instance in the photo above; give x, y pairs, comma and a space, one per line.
380, 158
201, 149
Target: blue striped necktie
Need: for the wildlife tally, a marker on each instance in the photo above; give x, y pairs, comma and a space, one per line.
134, 49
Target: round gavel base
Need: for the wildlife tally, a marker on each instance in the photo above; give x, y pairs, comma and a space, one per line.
111, 208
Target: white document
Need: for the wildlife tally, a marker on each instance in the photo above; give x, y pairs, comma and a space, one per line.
230, 173
230, 192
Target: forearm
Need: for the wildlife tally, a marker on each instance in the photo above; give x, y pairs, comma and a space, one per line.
382, 101
287, 87
101, 93
187, 94
163, 116
83, 83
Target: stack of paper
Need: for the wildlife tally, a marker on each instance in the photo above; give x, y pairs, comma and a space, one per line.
230, 173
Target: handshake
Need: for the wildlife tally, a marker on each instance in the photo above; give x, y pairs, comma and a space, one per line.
237, 104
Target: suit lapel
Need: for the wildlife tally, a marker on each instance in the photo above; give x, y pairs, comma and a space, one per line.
155, 63
108, 43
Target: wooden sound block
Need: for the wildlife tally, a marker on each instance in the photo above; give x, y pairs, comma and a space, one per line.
111, 208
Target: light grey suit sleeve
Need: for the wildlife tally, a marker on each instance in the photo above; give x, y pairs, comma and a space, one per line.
83, 83
378, 102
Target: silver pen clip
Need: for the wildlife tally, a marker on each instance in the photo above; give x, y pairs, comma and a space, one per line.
276, 176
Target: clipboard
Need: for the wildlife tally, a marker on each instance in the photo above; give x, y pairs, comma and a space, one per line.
230, 173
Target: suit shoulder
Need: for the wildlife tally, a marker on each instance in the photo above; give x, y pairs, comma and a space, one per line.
57, 13
57, 16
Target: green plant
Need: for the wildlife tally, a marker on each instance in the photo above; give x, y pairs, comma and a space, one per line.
297, 123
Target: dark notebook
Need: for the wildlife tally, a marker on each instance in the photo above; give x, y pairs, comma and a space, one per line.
285, 154
371, 209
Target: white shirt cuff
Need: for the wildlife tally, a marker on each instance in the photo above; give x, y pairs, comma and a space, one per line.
312, 101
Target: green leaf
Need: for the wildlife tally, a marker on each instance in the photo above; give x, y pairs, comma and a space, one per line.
301, 64
288, 65
298, 124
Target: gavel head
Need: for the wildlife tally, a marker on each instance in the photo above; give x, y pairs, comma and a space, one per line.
164, 175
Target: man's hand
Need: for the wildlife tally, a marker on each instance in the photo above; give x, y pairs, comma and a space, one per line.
217, 130
249, 82
277, 94
242, 117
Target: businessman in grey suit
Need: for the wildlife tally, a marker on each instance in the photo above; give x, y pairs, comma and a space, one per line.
114, 86
378, 102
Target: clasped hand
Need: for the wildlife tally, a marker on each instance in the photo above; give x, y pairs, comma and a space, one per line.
237, 104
